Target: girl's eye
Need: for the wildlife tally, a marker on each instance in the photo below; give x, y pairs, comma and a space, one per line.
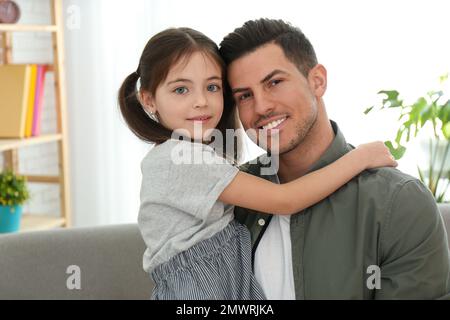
180, 90
213, 87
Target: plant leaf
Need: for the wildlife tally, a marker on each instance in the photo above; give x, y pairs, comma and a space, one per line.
443, 78
444, 114
421, 175
446, 130
368, 110
391, 94
425, 116
399, 136
391, 101
396, 152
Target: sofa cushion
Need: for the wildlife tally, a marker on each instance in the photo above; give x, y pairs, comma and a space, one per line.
108, 260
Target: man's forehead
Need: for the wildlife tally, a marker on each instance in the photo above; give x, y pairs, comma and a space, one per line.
256, 65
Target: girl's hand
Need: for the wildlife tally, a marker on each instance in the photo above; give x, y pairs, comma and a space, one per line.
376, 154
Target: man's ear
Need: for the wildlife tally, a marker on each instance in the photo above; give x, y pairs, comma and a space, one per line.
147, 101
317, 79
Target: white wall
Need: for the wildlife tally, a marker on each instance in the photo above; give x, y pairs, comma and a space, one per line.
105, 156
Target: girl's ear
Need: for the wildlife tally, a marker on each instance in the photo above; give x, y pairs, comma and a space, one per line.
146, 100
317, 79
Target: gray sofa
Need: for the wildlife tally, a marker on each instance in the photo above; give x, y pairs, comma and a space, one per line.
36, 265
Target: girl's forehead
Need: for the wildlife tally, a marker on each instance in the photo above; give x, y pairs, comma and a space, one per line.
194, 62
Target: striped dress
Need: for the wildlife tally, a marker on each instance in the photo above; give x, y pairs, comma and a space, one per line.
218, 268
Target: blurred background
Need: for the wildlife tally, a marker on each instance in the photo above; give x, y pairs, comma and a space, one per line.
366, 46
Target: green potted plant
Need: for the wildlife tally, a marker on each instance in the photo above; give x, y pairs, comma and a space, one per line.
13, 194
432, 112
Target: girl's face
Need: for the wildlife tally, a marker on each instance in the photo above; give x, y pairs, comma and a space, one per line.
191, 95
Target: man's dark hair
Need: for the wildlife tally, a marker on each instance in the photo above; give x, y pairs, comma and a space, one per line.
256, 33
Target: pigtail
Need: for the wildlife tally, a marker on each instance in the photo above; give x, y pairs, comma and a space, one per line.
135, 116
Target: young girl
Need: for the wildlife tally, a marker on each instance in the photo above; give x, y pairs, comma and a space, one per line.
195, 248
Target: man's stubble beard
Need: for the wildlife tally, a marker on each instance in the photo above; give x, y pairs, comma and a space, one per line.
302, 130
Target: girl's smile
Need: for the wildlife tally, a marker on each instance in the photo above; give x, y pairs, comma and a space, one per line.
201, 119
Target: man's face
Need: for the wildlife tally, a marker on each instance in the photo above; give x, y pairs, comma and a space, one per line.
271, 93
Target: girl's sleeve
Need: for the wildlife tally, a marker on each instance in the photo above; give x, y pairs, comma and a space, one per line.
197, 178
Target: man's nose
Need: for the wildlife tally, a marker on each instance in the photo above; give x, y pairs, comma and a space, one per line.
263, 103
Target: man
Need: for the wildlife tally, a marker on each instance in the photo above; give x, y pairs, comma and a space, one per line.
378, 237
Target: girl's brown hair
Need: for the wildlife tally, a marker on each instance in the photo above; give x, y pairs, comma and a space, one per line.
161, 52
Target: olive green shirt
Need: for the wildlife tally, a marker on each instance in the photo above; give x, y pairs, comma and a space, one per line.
382, 218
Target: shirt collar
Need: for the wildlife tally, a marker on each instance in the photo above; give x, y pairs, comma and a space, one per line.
337, 149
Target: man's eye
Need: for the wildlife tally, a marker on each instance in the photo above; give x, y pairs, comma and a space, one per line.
213, 87
180, 90
244, 96
274, 82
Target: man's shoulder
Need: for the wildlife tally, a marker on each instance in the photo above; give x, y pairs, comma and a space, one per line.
390, 178
393, 186
398, 196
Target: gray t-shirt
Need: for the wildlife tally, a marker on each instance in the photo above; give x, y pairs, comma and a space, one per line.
181, 183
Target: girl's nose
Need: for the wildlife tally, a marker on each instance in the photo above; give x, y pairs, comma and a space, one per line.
200, 100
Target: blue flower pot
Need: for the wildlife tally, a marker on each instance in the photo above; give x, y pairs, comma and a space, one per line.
10, 218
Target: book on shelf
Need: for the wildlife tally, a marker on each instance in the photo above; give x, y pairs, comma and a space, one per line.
40, 81
21, 96
31, 98
14, 94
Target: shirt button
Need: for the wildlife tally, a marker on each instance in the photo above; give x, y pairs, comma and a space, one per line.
261, 222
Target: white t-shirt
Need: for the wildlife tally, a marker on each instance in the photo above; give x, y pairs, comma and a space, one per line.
273, 260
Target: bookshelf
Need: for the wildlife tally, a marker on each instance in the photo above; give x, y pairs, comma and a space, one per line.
9, 147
